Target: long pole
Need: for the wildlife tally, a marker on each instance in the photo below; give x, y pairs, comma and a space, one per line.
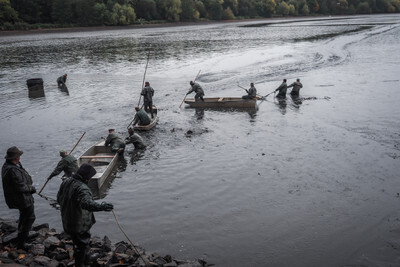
189, 89
144, 75
134, 247
68, 154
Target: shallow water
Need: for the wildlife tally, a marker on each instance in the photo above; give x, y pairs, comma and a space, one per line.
314, 184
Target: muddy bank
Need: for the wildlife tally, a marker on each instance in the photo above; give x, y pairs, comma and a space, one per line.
52, 248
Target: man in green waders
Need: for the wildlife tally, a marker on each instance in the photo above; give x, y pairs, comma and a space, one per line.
68, 164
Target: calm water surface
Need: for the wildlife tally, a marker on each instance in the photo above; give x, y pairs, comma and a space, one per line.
314, 184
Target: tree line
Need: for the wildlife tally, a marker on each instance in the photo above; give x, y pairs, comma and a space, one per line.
25, 14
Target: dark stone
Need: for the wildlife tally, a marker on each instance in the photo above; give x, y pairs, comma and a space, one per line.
6, 260
121, 247
59, 254
106, 244
159, 260
37, 249
171, 264
10, 238
168, 258
51, 242
41, 226
13, 255
8, 226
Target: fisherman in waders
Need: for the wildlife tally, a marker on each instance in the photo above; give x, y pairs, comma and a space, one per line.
282, 90
148, 93
62, 80
77, 207
198, 90
296, 88
251, 93
115, 141
135, 139
18, 191
141, 117
68, 164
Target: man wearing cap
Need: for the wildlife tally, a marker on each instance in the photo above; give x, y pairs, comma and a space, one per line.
18, 190
141, 117
68, 164
296, 88
198, 90
115, 141
135, 139
77, 207
251, 93
282, 90
62, 80
148, 93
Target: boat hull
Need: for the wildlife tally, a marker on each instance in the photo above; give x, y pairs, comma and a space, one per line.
222, 102
102, 159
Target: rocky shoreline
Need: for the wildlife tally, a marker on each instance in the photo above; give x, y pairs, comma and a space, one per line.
54, 249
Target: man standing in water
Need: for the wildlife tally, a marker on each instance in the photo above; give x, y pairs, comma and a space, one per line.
198, 90
62, 80
282, 90
135, 139
148, 93
296, 88
115, 141
68, 164
18, 190
77, 207
251, 93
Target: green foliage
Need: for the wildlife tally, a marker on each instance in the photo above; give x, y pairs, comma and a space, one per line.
227, 14
283, 9
188, 10
363, 8
7, 13
146, 9
265, 7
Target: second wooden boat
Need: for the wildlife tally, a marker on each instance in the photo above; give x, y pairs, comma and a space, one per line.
102, 159
221, 102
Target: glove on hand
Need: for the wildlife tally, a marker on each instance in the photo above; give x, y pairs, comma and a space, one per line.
32, 190
107, 206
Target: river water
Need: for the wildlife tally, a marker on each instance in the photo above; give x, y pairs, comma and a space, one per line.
310, 184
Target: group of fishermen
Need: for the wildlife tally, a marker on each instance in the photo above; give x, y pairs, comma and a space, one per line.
74, 196
282, 90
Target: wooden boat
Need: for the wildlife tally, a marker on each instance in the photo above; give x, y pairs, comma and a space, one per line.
102, 159
221, 102
147, 127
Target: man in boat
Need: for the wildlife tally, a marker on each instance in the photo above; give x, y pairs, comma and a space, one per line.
135, 139
141, 117
251, 93
282, 90
148, 93
198, 90
115, 141
68, 164
62, 80
296, 88
18, 191
77, 207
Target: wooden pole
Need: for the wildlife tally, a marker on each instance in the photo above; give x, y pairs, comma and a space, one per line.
189, 89
144, 76
68, 154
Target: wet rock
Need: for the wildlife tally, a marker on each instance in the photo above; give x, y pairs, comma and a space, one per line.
10, 238
13, 255
51, 242
8, 226
170, 264
106, 244
37, 249
44, 226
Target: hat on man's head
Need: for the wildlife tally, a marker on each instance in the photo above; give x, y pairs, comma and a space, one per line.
111, 130
86, 171
63, 152
130, 130
13, 153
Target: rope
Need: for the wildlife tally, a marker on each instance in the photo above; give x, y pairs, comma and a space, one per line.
144, 260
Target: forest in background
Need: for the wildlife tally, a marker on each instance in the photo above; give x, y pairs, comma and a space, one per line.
34, 14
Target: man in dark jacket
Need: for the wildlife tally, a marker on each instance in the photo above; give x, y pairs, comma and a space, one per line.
141, 117
77, 207
115, 141
296, 88
62, 80
282, 90
18, 190
68, 164
148, 93
198, 90
251, 93
135, 139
